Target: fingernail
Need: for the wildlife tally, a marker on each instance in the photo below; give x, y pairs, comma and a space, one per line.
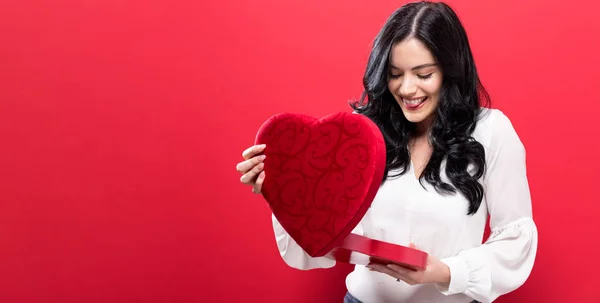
261, 157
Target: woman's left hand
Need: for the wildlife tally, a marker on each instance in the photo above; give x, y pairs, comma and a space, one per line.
435, 271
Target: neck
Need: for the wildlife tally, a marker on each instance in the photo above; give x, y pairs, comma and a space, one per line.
424, 127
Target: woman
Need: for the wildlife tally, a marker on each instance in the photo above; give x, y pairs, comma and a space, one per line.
450, 163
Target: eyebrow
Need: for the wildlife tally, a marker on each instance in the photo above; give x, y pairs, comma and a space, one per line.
418, 66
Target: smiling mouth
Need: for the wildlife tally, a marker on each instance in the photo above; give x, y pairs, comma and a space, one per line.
414, 103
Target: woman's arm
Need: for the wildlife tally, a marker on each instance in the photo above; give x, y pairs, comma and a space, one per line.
504, 262
293, 254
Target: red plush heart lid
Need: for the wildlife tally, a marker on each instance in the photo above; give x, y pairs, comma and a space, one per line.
321, 174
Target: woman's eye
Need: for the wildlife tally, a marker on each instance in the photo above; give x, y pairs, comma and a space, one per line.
425, 76
395, 76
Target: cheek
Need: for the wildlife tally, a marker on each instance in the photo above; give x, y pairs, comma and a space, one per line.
432, 87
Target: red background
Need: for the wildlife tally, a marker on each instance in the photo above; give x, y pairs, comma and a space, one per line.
121, 123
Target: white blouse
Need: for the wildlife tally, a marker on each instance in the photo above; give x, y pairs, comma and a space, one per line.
404, 211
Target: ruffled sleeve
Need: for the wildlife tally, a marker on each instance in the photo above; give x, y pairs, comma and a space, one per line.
504, 262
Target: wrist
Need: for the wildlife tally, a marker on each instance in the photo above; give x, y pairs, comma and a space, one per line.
444, 274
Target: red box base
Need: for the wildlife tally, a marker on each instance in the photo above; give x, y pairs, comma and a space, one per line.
356, 249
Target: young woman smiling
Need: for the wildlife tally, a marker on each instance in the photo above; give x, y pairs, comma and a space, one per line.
451, 162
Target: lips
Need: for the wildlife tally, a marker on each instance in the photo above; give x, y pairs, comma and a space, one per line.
413, 103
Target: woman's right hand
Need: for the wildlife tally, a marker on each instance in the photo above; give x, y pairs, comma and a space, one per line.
252, 168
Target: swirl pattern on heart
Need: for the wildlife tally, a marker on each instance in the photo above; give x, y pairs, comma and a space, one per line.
321, 174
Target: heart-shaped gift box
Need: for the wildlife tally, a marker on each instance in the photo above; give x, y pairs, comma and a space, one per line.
321, 178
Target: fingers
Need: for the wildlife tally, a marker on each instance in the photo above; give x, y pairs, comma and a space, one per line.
252, 150
384, 270
397, 272
252, 168
245, 166
250, 176
400, 269
259, 182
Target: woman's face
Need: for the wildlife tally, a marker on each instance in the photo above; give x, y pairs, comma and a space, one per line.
415, 81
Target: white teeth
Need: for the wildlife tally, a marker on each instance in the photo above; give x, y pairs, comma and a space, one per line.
414, 102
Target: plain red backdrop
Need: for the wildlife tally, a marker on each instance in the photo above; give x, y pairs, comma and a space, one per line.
121, 123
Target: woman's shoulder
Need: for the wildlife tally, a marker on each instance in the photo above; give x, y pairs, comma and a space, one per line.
494, 126
490, 116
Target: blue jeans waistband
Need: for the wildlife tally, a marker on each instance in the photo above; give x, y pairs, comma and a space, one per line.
349, 298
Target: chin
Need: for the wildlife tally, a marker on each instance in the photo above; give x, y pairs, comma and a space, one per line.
416, 116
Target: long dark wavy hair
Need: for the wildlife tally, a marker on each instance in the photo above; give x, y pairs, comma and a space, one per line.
461, 99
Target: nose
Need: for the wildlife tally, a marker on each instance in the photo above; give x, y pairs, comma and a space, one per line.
408, 88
